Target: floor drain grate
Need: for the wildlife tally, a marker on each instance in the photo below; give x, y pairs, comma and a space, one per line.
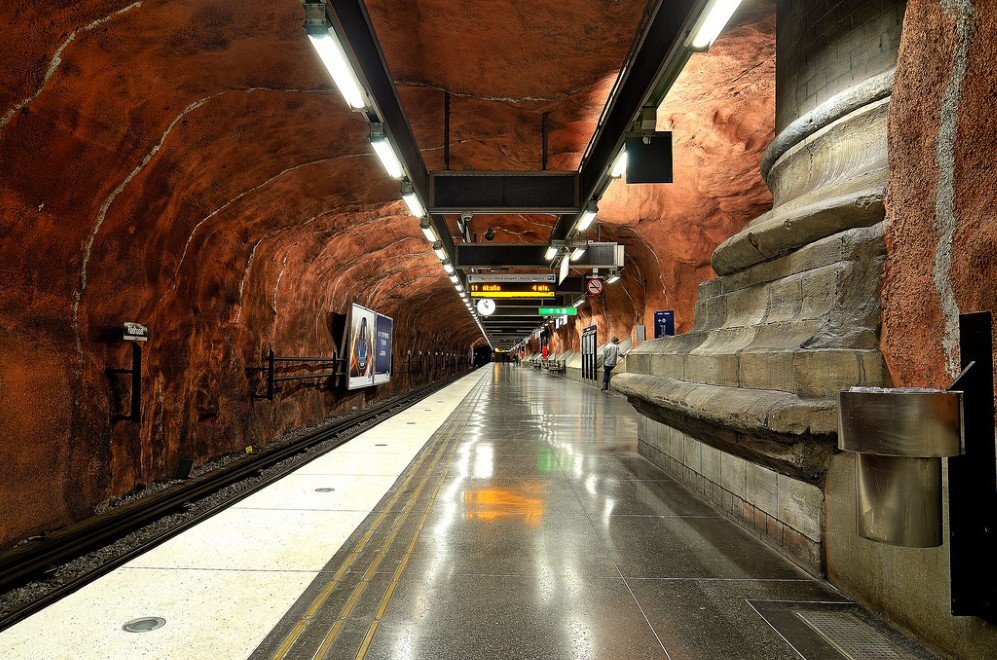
828, 629
850, 636
144, 624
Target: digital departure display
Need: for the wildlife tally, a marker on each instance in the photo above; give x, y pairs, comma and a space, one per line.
512, 290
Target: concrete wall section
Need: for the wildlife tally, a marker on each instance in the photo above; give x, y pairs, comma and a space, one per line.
785, 512
831, 45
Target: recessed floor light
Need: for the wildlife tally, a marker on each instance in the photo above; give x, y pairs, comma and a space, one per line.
144, 624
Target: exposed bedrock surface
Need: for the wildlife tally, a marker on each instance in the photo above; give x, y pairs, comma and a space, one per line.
189, 165
185, 165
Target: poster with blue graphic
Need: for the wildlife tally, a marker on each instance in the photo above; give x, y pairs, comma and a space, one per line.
664, 323
359, 349
382, 357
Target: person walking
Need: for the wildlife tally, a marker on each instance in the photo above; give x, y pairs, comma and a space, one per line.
610, 358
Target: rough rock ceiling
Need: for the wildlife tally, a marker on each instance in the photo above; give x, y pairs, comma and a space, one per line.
188, 164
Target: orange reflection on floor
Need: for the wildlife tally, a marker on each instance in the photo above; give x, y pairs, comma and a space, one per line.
496, 503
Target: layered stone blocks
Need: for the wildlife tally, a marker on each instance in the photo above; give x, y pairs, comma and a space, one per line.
743, 407
785, 512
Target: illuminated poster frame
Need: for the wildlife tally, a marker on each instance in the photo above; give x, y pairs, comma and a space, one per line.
359, 347
384, 329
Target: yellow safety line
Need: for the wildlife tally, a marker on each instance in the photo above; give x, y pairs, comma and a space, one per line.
442, 447
389, 541
358, 547
402, 565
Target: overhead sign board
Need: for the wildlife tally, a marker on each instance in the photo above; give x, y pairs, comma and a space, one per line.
512, 277
512, 289
557, 311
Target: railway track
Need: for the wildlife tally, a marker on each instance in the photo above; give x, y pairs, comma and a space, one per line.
35, 561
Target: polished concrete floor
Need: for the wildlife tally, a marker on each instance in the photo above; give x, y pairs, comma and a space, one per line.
505, 516
529, 527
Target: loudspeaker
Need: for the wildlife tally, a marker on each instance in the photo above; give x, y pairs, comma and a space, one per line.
649, 158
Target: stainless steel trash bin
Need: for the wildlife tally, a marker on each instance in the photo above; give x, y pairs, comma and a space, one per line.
900, 436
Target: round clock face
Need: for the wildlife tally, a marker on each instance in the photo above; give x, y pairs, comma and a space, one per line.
486, 306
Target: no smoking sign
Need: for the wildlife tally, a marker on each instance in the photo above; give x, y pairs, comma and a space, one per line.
594, 286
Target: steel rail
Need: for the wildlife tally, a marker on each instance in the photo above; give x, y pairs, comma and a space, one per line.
32, 560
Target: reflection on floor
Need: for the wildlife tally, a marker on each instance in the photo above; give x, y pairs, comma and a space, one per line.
532, 529
510, 517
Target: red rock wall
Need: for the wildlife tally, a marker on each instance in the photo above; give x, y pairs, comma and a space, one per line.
721, 112
941, 223
188, 166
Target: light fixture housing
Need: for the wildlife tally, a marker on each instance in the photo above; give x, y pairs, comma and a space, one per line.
385, 152
711, 23
439, 251
329, 49
577, 253
579, 303
613, 276
587, 216
415, 207
427, 230
447, 266
619, 167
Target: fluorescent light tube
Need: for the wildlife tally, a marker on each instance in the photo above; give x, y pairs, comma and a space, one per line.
438, 251
613, 277
384, 151
550, 253
427, 230
579, 303
460, 288
454, 279
414, 205
619, 165
588, 215
712, 23
448, 267
577, 253
330, 51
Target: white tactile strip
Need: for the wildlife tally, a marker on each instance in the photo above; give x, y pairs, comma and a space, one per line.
223, 585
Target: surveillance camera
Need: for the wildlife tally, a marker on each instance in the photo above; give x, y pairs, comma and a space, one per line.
490, 234
466, 216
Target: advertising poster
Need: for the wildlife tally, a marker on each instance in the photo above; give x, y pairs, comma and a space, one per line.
382, 357
360, 347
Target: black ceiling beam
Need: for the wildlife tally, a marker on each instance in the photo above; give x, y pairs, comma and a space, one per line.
356, 34
503, 192
659, 56
527, 255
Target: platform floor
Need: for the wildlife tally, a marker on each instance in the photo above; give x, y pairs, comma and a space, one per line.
508, 516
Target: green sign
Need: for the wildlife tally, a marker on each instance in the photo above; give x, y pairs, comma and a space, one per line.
557, 311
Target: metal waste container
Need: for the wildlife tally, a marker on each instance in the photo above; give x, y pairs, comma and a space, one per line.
900, 436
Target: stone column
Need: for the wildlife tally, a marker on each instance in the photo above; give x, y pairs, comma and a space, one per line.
742, 408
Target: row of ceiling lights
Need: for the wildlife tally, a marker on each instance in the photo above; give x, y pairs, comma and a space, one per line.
707, 28
326, 43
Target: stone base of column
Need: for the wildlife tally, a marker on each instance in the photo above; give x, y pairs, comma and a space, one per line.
784, 512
